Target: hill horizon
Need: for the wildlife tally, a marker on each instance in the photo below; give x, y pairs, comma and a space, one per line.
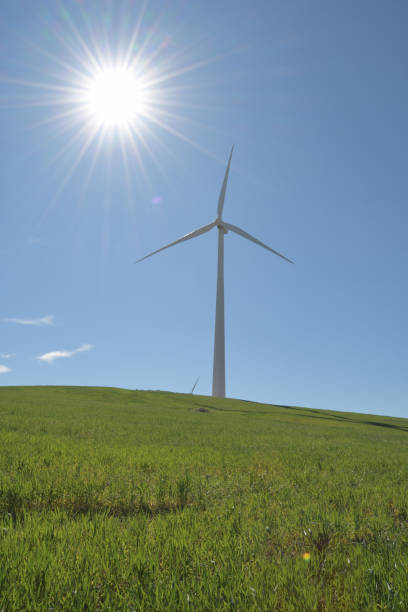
340, 413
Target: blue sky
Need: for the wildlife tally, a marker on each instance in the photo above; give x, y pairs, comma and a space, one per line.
314, 96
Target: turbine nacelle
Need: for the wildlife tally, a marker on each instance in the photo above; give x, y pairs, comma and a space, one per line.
220, 224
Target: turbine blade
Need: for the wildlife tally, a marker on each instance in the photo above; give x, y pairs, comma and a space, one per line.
241, 232
224, 188
194, 234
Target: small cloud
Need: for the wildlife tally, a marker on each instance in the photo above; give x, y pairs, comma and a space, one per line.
7, 355
47, 320
49, 357
4, 369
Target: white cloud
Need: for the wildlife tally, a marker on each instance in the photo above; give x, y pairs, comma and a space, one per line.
7, 355
4, 369
49, 357
47, 320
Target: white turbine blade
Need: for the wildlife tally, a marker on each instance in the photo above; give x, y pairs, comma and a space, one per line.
224, 188
197, 232
241, 232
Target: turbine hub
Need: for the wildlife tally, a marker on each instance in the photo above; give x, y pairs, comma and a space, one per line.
219, 223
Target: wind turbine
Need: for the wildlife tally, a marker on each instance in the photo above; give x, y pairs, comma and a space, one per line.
218, 384
194, 386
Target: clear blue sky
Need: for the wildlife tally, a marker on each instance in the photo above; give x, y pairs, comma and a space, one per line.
314, 96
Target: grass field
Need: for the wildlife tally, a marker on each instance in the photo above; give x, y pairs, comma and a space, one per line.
130, 500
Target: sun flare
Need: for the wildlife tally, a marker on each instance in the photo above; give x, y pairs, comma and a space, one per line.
101, 96
114, 97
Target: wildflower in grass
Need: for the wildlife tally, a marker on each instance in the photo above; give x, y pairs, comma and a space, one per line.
306, 556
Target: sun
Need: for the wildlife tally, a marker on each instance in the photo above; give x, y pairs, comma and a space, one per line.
114, 97
108, 93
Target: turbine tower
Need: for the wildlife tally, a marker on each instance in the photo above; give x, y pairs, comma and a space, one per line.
218, 384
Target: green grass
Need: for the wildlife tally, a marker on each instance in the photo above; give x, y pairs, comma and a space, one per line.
131, 500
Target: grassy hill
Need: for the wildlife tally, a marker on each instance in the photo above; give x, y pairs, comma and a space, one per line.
130, 500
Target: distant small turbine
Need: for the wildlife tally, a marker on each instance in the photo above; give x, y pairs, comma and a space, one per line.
218, 385
194, 386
